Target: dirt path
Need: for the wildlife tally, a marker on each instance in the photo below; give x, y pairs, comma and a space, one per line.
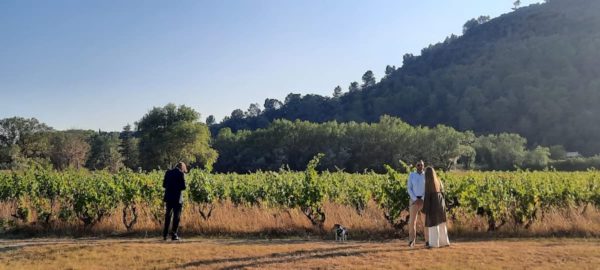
294, 254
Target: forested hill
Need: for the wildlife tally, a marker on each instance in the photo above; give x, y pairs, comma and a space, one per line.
534, 71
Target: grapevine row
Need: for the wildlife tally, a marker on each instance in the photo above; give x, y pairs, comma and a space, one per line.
45, 196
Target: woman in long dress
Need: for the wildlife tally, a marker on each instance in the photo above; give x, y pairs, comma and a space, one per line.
434, 208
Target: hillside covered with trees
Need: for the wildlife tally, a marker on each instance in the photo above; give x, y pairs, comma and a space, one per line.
533, 72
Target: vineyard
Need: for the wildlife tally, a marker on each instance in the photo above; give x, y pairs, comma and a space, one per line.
46, 197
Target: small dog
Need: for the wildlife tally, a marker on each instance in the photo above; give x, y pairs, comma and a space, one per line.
341, 233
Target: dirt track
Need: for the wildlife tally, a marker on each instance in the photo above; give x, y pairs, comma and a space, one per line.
281, 254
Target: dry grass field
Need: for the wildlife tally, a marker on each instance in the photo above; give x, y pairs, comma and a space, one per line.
563, 239
228, 220
201, 253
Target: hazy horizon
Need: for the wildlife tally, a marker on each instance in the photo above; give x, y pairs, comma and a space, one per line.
102, 65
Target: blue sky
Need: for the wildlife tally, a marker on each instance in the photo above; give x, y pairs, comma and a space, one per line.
104, 64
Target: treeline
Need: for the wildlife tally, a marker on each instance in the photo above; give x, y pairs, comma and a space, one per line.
533, 72
162, 137
355, 147
166, 135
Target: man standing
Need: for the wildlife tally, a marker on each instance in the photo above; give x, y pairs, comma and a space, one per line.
416, 191
174, 183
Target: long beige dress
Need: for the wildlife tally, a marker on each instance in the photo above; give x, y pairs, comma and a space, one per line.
434, 208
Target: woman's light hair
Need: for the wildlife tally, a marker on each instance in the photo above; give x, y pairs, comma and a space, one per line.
432, 182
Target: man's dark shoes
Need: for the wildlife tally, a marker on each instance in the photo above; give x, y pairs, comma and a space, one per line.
175, 237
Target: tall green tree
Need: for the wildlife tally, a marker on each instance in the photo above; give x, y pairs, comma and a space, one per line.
22, 139
516, 4
171, 134
130, 148
272, 104
210, 120
368, 79
389, 70
537, 158
501, 152
105, 152
253, 110
237, 114
354, 87
337, 92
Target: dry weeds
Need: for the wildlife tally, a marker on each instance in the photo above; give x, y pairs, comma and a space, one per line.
259, 221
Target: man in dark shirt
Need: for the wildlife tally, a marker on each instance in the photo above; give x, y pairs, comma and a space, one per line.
174, 183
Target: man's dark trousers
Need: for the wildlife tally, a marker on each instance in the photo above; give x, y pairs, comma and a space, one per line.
174, 183
173, 210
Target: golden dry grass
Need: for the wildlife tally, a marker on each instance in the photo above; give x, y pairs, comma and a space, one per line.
260, 221
545, 253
